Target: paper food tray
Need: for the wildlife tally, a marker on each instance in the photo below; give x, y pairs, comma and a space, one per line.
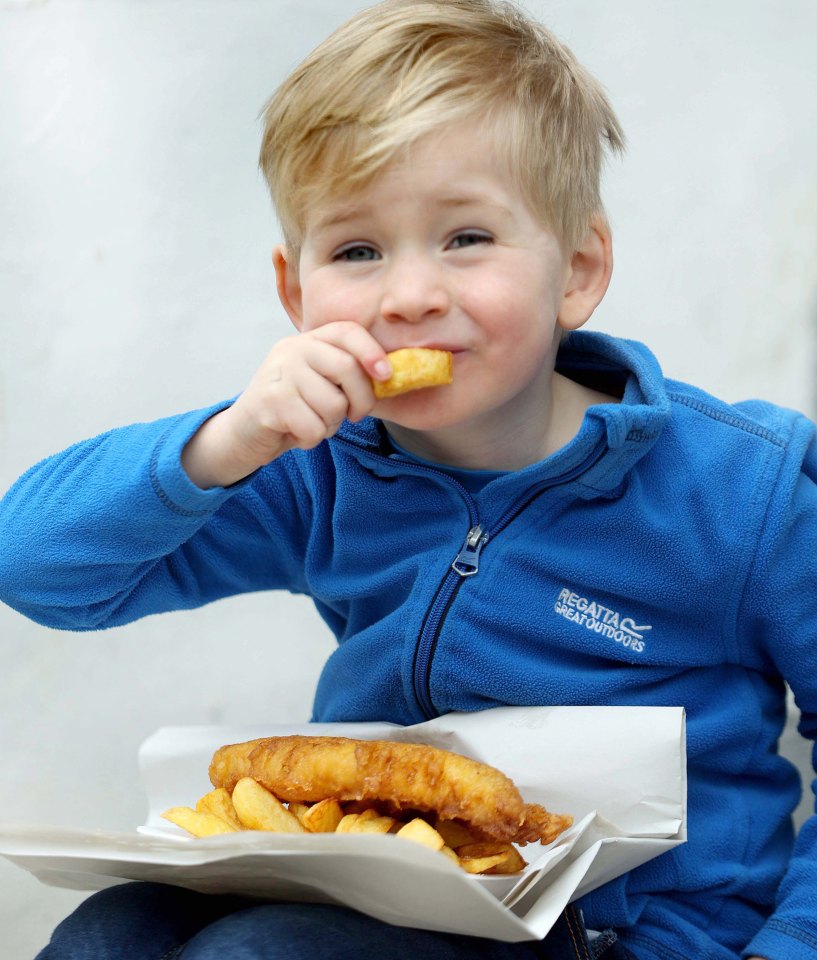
557, 756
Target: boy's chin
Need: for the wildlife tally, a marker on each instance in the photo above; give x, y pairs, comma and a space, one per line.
420, 410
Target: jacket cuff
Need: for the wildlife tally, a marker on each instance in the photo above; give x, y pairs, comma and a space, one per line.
170, 482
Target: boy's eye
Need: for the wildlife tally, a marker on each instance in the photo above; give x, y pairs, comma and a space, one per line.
469, 239
356, 254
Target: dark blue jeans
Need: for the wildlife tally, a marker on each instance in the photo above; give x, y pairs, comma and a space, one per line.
148, 921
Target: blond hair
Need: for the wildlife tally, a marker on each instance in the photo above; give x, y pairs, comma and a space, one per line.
406, 68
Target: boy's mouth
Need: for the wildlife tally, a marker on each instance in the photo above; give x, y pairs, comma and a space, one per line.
434, 345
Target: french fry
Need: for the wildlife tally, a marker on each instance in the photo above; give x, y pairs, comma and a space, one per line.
514, 864
298, 809
372, 825
258, 809
451, 854
480, 864
323, 816
253, 807
419, 831
512, 861
199, 823
347, 822
220, 804
454, 834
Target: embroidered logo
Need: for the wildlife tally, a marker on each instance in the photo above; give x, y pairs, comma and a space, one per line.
602, 620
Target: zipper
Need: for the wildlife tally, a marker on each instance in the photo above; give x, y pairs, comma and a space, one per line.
427, 641
466, 564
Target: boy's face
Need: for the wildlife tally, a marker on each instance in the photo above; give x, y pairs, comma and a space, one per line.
442, 251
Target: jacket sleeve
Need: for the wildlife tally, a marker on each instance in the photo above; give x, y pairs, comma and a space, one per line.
780, 628
112, 529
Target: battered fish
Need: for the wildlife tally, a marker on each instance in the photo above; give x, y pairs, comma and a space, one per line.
395, 776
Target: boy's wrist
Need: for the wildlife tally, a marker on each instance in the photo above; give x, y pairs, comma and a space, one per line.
209, 458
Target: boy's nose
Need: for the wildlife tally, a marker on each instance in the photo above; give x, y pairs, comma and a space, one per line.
414, 290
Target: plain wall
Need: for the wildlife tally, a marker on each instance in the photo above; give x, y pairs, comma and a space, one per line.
135, 239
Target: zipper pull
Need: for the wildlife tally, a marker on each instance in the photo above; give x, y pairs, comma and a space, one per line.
466, 562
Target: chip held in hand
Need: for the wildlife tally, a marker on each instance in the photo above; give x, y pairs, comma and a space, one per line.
414, 368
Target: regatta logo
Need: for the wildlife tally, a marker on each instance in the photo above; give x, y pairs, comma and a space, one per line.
602, 620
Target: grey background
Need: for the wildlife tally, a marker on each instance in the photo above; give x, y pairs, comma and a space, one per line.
136, 281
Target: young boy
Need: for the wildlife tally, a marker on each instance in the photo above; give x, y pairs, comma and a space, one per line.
560, 525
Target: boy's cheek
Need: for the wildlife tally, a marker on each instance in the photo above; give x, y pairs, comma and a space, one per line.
338, 305
317, 313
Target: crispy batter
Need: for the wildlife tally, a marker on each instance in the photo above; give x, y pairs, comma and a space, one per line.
395, 776
540, 824
414, 368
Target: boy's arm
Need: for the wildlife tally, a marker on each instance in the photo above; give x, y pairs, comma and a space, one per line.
780, 621
156, 517
112, 529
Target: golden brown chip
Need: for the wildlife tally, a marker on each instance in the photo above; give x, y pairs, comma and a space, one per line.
199, 823
511, 860
454, 834
515, 863
347, 822
450, 854
372, 824
414, 368
258, 809
323, 816
219, 803
480, 864
253, 807
298, 809
419, 831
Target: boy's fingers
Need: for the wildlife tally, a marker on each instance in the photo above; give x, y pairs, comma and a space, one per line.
311, 406
345, 371
356, 340
326, 399
381, 370
303, 426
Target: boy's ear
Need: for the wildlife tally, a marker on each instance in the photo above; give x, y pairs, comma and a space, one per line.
288, 284
589, 272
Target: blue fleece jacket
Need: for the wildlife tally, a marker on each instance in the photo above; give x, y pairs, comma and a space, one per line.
666, 556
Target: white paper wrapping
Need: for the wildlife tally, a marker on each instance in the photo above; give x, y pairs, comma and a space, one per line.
620, 771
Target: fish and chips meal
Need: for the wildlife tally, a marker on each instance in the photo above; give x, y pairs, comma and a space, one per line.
467, 810
414, 368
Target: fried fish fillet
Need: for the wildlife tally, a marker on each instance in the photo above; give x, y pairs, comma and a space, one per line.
414, 368
396, 776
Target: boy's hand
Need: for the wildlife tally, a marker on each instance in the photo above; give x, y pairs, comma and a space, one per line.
307, 386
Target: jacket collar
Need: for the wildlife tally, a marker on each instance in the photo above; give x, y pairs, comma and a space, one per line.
612, 439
